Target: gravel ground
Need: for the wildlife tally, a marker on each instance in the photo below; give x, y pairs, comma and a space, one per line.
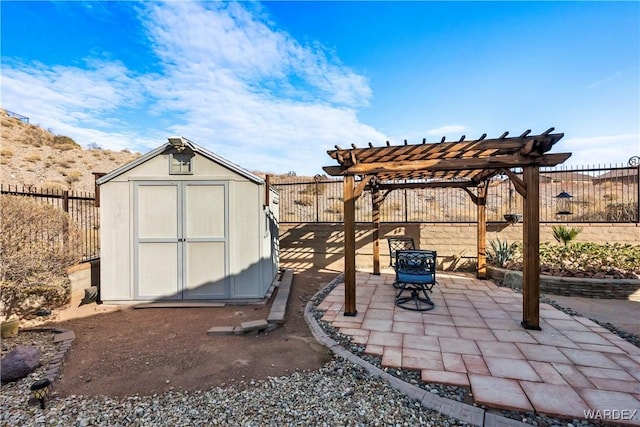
340, 393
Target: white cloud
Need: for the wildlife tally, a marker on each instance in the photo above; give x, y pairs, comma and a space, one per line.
227, 81
251, 93
605, 80
598, 150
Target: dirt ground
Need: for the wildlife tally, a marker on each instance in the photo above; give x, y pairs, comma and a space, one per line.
147, 351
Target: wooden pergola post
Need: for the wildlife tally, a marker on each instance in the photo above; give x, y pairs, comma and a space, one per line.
349, 247
481, 205
375, 218
531, 249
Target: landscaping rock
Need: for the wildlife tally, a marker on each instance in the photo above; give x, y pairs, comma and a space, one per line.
19, 363
513, 279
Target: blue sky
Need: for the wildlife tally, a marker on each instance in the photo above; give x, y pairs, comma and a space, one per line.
271, 86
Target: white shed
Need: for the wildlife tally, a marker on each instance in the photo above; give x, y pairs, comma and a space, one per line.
182, 223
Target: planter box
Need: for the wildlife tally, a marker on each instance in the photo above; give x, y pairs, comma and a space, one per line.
624, 289
9, 328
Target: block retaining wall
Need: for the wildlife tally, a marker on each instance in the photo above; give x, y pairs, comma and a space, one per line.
624, 289
321, 245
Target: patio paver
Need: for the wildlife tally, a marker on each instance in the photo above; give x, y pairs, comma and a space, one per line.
473, 338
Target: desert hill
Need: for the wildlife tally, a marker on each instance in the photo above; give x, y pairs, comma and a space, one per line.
32, 156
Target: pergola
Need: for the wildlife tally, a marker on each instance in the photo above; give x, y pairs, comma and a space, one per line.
465, 164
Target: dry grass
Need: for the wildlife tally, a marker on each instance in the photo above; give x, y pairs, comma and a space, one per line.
33, 156
73, 176
39, 242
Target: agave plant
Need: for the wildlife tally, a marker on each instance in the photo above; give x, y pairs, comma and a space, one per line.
564, 234
500, 252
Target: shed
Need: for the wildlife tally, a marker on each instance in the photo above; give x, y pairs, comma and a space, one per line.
182, 223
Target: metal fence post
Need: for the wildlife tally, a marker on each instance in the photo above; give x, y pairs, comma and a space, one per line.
638, 195
317, 187
65, 201
406, 207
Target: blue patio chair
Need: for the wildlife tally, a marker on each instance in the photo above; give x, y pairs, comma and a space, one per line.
416, 274
399, 244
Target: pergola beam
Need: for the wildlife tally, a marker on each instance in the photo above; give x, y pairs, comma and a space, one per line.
436, 184
459, 165
518, 183
527, 145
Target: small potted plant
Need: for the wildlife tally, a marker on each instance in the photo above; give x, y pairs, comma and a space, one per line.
10, 296
511, 217
9, 327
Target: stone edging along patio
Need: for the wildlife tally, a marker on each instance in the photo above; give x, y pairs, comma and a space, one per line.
63, 336
571, 286
472, 415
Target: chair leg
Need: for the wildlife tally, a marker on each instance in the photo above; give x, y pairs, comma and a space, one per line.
414, 301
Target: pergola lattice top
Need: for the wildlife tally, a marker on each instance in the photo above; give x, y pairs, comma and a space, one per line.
472, 161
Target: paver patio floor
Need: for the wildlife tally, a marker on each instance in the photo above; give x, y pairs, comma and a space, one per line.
473, 339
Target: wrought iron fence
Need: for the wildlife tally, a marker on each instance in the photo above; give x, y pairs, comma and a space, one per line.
79, 205
598, 194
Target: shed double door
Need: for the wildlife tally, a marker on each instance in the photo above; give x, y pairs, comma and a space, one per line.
181, 240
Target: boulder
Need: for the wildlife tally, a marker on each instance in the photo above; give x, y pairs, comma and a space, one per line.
19, 363
513, 279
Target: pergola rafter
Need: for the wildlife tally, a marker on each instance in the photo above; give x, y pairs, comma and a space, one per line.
464, 164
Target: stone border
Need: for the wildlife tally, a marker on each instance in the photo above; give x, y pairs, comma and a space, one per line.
571, 286
276, 313
461, 411
63, 336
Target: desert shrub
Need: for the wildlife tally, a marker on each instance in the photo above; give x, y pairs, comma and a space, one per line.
64, 143
73, 176
583, 260
6, 152
620, 212
35, 136
38, 243
500, 253
54, 187
564, 234
335, 208
314, 189
591, 259
304, 200
613, 212
33, 157
63, 162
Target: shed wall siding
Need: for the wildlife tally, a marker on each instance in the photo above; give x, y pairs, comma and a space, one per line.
245, 243
115, 242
